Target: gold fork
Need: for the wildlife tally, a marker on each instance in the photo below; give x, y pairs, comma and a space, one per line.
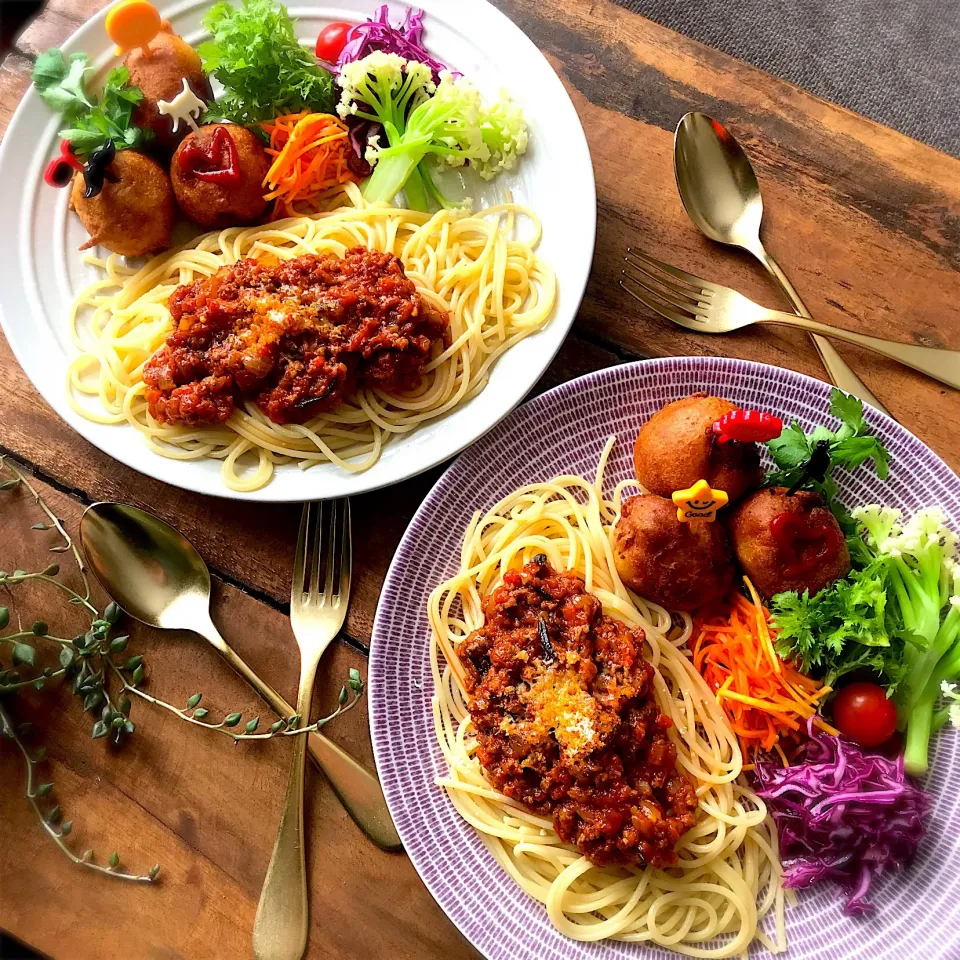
706, 307
318, 606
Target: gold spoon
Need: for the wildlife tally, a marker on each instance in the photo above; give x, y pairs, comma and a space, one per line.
156, 575
721, 195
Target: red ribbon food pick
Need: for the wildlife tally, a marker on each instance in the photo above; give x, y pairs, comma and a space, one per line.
747, 426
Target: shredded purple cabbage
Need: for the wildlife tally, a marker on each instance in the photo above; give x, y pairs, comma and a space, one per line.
842, 815
377, 34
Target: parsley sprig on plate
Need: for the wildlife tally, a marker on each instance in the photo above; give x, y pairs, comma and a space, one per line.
89, 121
848, 447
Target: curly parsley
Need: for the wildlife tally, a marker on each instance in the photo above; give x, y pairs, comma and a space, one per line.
264, 71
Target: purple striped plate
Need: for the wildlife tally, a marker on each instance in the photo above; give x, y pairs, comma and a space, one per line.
562, 431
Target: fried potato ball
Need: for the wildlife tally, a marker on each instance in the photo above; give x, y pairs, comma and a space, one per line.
681, 566
160, 76
676, 447
788, 542
132, 216
221, 204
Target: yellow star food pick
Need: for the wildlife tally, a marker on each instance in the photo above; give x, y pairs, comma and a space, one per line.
699, 502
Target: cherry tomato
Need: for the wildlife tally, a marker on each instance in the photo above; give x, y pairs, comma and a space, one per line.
862, 712
332, 39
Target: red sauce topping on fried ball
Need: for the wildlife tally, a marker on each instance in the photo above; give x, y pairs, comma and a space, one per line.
560, 696
298, 337
805, 542
788, 541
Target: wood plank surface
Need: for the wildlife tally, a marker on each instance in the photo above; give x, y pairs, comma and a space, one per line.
203, 808
865, 221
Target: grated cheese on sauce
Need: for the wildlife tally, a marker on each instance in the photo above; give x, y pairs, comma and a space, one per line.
562, 705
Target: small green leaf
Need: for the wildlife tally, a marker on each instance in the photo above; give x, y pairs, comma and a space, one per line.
40, 755
92, 700
354, 673
252, 725
38, 684
200, 713
52, 570
66, 657
19, 574
40, 628
118, 644
133, 662
114, 859
39, 526
124, 704
154, 870
100, 729
54, 815
44, 789
66, 827
129, 726
48, 672
276, 727
138, 675
194, 700
342, 699
4, 617
294, 721
8, 484
112, 613
23, 653
118, 722
231, 719
87, 856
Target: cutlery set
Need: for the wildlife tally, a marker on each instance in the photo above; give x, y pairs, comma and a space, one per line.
721, 194
157, 576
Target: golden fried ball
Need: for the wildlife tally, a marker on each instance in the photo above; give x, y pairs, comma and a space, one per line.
133, 216
681, 566
222, 205
160, 76
788, 542
676, 447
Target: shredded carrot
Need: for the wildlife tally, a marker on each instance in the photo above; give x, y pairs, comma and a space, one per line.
767, 700
310, 156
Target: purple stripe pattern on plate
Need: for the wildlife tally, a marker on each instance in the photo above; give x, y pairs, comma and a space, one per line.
563, 431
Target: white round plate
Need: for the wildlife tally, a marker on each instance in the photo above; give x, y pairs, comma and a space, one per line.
41, 269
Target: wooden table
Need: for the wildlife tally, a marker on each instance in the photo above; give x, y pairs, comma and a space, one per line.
864, 220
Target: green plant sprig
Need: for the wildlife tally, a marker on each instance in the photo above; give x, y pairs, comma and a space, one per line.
68, 544
52, 820
89, 662
287, 727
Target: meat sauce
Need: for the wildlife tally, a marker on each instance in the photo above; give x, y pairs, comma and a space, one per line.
298, 337
561, 699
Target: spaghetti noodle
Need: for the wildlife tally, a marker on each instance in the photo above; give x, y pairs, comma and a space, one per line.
494, 286
724, 892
